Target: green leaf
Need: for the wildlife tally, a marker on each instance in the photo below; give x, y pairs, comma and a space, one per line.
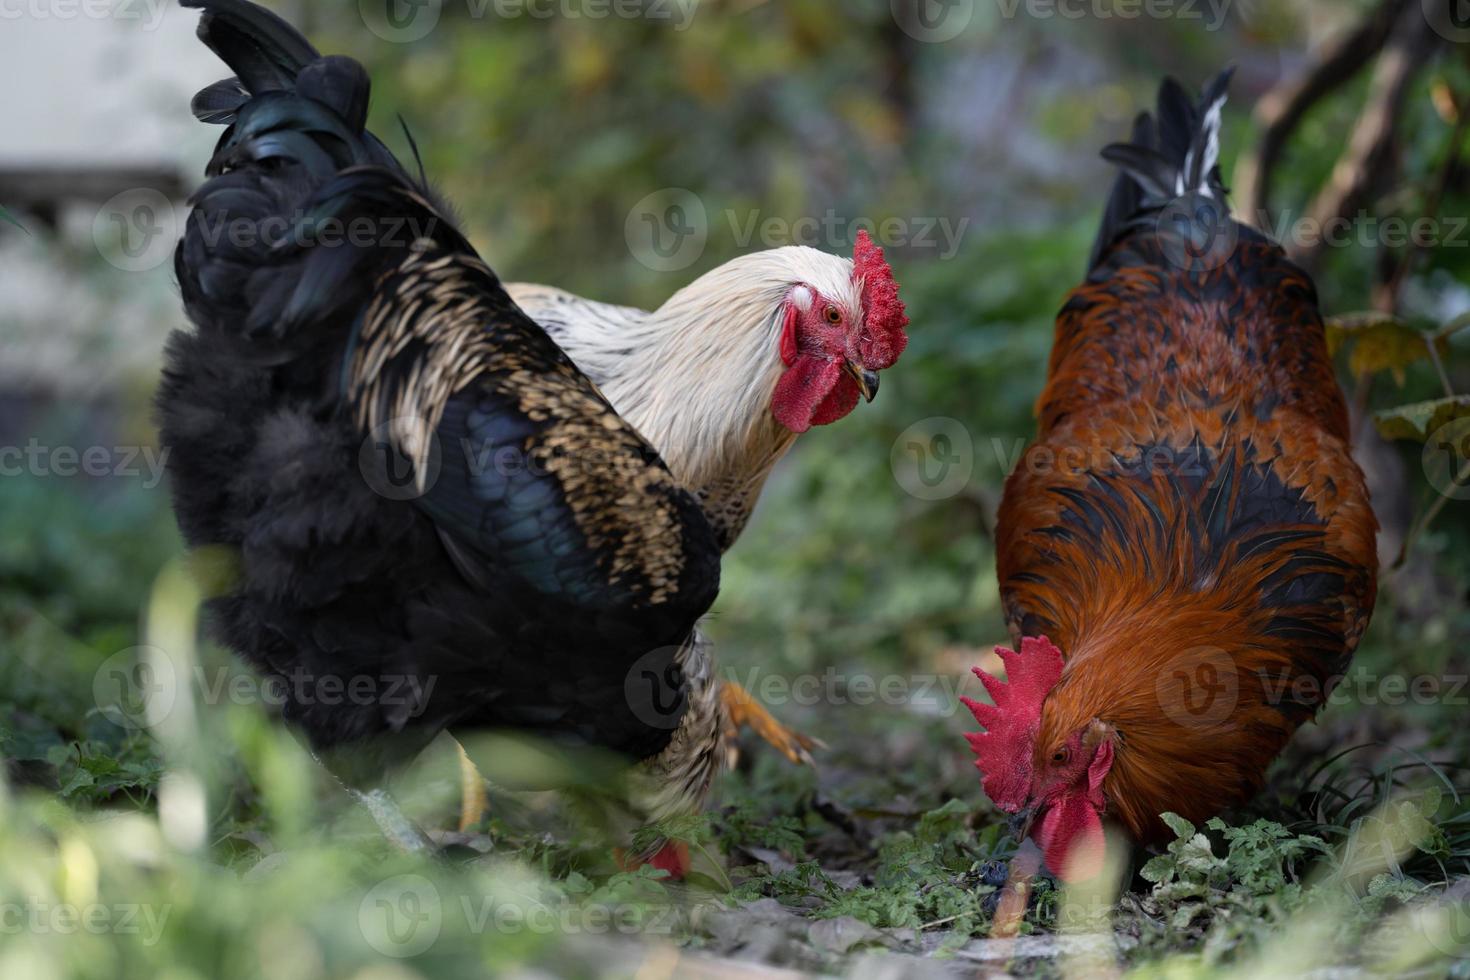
1182, 828
80, 779
1158, 869
1379, 343
1420, 420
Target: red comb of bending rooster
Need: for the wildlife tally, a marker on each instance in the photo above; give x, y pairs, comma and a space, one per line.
1190, 558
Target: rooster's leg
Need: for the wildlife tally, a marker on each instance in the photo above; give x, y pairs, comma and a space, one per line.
402, 832
473, 799
743, 711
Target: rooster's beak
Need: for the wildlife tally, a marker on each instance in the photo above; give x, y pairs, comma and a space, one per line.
1020, 823
867, 381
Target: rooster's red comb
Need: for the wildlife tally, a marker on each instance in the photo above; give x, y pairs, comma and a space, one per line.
883, 337
1003, 751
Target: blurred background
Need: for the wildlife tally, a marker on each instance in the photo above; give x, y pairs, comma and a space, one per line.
620, 155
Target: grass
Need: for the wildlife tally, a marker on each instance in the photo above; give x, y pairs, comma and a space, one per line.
210, 845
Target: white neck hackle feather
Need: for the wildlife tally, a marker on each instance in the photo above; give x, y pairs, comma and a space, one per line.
696, 376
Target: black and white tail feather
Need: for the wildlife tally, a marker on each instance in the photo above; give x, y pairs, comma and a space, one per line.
1168, 157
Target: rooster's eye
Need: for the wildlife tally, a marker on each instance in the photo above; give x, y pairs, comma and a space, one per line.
832, 315
1059, 756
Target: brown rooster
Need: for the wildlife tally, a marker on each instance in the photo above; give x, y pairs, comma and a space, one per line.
1187, 553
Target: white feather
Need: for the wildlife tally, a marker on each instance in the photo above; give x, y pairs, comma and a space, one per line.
696, 376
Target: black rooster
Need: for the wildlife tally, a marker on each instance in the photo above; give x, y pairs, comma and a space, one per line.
436, 515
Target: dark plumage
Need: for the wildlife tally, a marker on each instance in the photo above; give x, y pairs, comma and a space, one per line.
424, 492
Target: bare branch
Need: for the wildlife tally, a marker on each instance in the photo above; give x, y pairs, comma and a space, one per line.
1372, 139
1282, 109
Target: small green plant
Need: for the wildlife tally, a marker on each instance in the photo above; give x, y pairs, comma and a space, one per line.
1256, 876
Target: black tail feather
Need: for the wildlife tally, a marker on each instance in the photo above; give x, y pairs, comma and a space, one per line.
294, 166
1168, 156
265, 53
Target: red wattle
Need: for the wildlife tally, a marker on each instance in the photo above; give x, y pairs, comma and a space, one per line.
813, 391
673, 857
1071, 836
